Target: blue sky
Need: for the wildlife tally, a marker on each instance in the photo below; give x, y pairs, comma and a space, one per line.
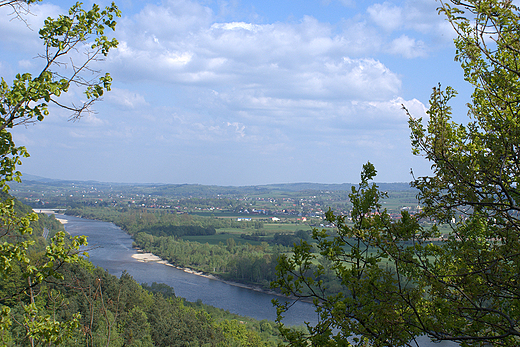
246, 92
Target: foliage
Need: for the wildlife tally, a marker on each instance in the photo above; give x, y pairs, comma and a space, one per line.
289, 240
242, 263
404, 281
366, 307
16, 255
476, 176
26, 101
115, 311
238, 335
178, 230
161, 223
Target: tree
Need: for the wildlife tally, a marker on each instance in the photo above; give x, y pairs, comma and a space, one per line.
19, 7
72, 43
366, 309
402, 278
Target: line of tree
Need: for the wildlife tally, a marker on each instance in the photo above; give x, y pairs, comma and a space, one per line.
179, 230
235, 262
137, 220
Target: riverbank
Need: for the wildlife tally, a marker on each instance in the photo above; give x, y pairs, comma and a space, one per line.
144, 257
53, 212
62, 221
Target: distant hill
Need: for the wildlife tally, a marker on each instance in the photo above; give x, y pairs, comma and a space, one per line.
39, 183
298, 187
29, 177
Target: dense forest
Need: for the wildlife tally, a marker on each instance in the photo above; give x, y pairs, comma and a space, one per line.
102, 310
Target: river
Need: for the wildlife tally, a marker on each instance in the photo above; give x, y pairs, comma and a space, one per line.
111, 249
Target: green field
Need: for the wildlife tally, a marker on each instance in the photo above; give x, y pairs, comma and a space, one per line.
398, 200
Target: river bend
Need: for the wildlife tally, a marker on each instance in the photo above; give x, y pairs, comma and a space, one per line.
111, 248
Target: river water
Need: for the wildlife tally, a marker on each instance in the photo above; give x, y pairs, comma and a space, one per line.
111, 249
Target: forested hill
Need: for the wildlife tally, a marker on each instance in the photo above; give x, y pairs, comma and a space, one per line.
83, 305
37, 183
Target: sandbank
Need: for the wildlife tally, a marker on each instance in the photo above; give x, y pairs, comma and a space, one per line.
145, 257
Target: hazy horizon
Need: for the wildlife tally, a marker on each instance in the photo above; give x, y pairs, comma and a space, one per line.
31, 177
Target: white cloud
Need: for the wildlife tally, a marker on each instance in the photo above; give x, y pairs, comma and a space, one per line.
23, 31
302, 60
416, 108
92, 120
393, 109
170, 21
258, 83
386, 15
407, 47
422, 16
239, 128
417, 15
235, 26
126, 98
25, 64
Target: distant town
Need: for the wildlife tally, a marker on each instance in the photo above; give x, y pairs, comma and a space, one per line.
301, 203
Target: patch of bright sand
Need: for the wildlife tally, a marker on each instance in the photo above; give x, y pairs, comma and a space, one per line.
145, 257
62, 221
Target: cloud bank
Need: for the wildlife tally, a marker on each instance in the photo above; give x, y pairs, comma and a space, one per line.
266, 101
